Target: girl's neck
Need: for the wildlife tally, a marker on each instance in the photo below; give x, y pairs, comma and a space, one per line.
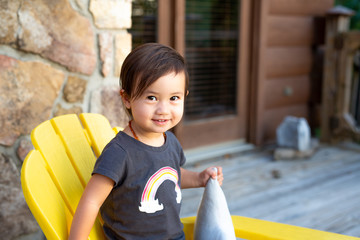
152, 139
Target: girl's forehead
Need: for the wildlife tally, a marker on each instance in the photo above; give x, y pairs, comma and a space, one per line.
171, 80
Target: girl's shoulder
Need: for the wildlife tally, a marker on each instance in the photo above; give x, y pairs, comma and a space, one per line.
172, 140
117, 142
170, 134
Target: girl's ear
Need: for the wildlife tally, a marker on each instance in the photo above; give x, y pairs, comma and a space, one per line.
187, 93
125, 98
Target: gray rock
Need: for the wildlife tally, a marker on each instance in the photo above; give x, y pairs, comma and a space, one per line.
27, 93
294, 133
107, 101
51, 29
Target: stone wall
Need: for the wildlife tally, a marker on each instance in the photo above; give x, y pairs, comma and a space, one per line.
56, 57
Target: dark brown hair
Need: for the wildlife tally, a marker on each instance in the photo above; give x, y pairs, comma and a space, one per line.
147, 63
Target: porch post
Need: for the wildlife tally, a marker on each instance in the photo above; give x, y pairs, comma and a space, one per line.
337, 22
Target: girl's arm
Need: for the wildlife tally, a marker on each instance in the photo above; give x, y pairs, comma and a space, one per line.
190, 179
95, 193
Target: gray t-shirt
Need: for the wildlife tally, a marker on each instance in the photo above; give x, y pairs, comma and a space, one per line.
146, 198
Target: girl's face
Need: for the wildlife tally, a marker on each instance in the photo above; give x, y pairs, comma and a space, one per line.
160, 107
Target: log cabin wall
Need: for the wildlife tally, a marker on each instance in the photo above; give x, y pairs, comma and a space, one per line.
283, 39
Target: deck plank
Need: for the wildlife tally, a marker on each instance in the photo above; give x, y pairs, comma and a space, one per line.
322, 192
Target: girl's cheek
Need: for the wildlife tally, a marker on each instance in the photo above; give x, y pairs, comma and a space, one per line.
180, 111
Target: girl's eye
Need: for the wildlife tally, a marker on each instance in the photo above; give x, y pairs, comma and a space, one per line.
151, 98
174, 98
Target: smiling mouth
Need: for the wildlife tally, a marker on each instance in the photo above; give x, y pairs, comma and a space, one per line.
160, 120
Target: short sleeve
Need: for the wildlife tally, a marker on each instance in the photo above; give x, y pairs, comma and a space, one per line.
182, 157
112, 162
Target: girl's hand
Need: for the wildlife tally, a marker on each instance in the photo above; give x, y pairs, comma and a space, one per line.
190, 179
211, 172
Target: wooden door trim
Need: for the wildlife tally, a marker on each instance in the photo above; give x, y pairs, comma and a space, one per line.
179, 27
243, 73
171, 24
165, 22
258, 71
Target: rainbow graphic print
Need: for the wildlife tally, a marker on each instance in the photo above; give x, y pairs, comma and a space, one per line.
148, 202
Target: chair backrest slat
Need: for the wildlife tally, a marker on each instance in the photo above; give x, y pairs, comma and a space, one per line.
79, 151
98, 129
43, 198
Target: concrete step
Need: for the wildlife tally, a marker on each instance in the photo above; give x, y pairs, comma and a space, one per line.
211, 152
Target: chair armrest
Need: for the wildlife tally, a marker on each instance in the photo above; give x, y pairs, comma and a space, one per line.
256, 229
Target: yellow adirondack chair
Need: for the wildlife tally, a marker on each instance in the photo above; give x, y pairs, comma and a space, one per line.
54, 175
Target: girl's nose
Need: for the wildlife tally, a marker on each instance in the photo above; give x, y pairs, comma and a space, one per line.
162, 108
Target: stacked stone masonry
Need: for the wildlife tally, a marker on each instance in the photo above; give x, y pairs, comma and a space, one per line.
56, 57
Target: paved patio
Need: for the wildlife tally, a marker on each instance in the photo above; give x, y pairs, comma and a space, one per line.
321, 192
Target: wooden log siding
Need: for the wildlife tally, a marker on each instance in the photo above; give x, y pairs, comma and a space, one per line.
286, 35
286, 85
287, 61
290, 31
303, 7
282, 92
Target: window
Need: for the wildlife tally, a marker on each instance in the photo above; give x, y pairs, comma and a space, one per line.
144, 22
211, 53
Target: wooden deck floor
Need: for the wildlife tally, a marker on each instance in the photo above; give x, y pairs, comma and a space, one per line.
322, 192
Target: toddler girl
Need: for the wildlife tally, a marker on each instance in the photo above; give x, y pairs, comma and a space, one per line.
137, 179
